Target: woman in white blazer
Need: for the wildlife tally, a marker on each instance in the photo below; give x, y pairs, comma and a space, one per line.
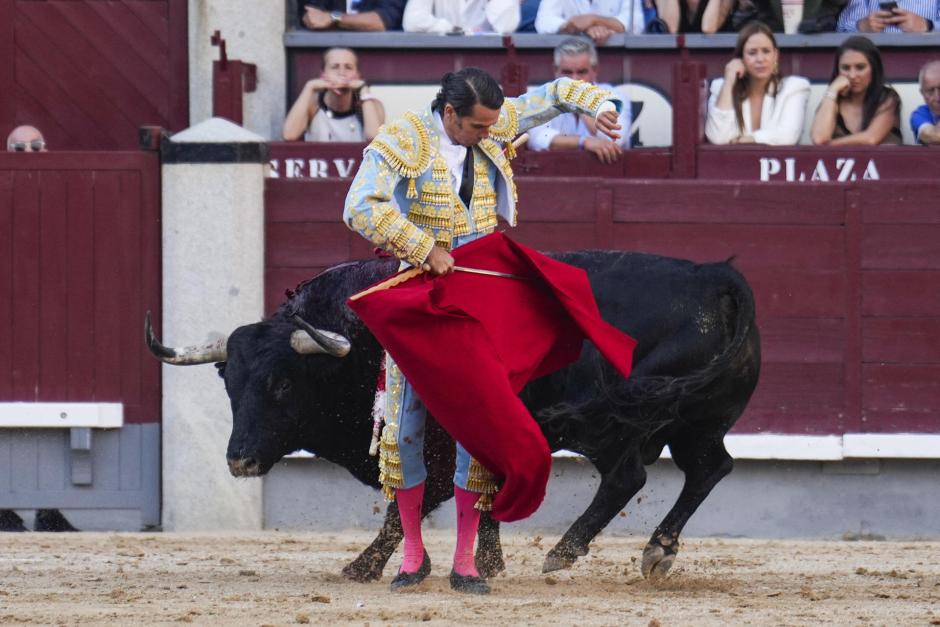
752, 104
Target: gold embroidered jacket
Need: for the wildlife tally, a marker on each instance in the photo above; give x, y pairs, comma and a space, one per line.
402, 199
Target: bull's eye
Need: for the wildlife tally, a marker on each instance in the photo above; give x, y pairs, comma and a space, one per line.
282, 389
220, 366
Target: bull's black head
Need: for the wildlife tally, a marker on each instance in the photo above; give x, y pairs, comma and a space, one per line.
275, 375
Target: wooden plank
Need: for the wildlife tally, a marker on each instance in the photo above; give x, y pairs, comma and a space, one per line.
305, 244
901, 340
81, 293
798, 293
6, 284
178, 47
911, 202
305, 200
796, 398
115, 61
8, 105
901, 246
555, 236
753, 245
704, 201
802, 340
143, 28
60, 53
53, 306
853, 315
149, 408
543, 200
901, 397
127, 255
26, 286
107, 265
277, 281
901, 293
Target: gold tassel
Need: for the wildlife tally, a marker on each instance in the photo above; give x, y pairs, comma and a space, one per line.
484, 503
412, 189
481, 480
388, 492
511, 151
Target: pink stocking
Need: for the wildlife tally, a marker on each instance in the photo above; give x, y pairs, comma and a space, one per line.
409, 508
468, 519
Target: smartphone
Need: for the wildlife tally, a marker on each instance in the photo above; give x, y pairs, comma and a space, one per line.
887, 5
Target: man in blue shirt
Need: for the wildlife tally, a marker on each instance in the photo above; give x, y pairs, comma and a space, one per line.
925, 120
907, 16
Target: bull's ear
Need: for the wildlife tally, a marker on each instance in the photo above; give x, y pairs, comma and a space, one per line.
220, 366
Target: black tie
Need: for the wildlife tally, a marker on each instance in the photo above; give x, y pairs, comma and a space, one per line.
466, 184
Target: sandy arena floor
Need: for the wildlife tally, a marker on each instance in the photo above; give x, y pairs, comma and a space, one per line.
274, 578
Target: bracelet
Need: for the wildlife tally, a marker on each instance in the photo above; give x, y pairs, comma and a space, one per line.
581, 142
831, 95
366, 97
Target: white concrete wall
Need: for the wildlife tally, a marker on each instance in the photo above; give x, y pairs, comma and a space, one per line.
253, 32
213, 282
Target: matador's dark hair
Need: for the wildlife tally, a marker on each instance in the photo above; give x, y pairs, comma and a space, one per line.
466, 88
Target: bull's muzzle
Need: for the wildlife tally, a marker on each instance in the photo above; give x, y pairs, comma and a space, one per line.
244, 467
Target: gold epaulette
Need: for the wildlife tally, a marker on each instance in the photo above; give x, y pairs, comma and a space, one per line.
585, 95
406, 147
507, 124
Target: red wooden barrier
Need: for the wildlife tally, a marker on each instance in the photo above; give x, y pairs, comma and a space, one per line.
81, 264
846, 277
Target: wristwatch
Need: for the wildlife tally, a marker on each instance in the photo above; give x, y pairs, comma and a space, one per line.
336, 18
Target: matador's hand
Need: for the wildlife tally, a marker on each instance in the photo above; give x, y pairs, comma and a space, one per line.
608, 123
438, 262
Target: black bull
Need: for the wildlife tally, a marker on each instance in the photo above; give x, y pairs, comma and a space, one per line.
695, 368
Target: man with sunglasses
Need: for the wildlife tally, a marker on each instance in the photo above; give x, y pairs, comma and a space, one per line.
925, 120
26, 139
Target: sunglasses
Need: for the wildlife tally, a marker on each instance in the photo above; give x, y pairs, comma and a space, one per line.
35, 146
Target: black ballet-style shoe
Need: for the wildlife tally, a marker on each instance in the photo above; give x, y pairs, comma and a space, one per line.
468, 584
407, 580
10, 521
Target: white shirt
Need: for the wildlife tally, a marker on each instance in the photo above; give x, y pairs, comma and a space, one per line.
554, 13
472, 16
454, 155
540, 137
782, 115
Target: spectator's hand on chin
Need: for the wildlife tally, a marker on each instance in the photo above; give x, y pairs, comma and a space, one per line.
315, 19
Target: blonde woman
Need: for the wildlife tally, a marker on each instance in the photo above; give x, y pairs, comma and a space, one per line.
752, 104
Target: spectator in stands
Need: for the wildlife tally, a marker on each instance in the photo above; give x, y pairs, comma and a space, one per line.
925, 121
26, 139
577, 58
752, 104
874, 16
369, 15
459, 17
696, 16
858, 109
598, 19
337, 106
528, 10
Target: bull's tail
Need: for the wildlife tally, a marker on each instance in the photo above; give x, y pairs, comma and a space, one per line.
641, 405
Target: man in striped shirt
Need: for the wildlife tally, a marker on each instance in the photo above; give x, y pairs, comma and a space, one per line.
879, 16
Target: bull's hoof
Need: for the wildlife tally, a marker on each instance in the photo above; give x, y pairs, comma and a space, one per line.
562, 556
489, 565
363, 569
658, 559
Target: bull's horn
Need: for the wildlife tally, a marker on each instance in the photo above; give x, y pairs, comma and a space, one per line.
188, 356
308, 340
